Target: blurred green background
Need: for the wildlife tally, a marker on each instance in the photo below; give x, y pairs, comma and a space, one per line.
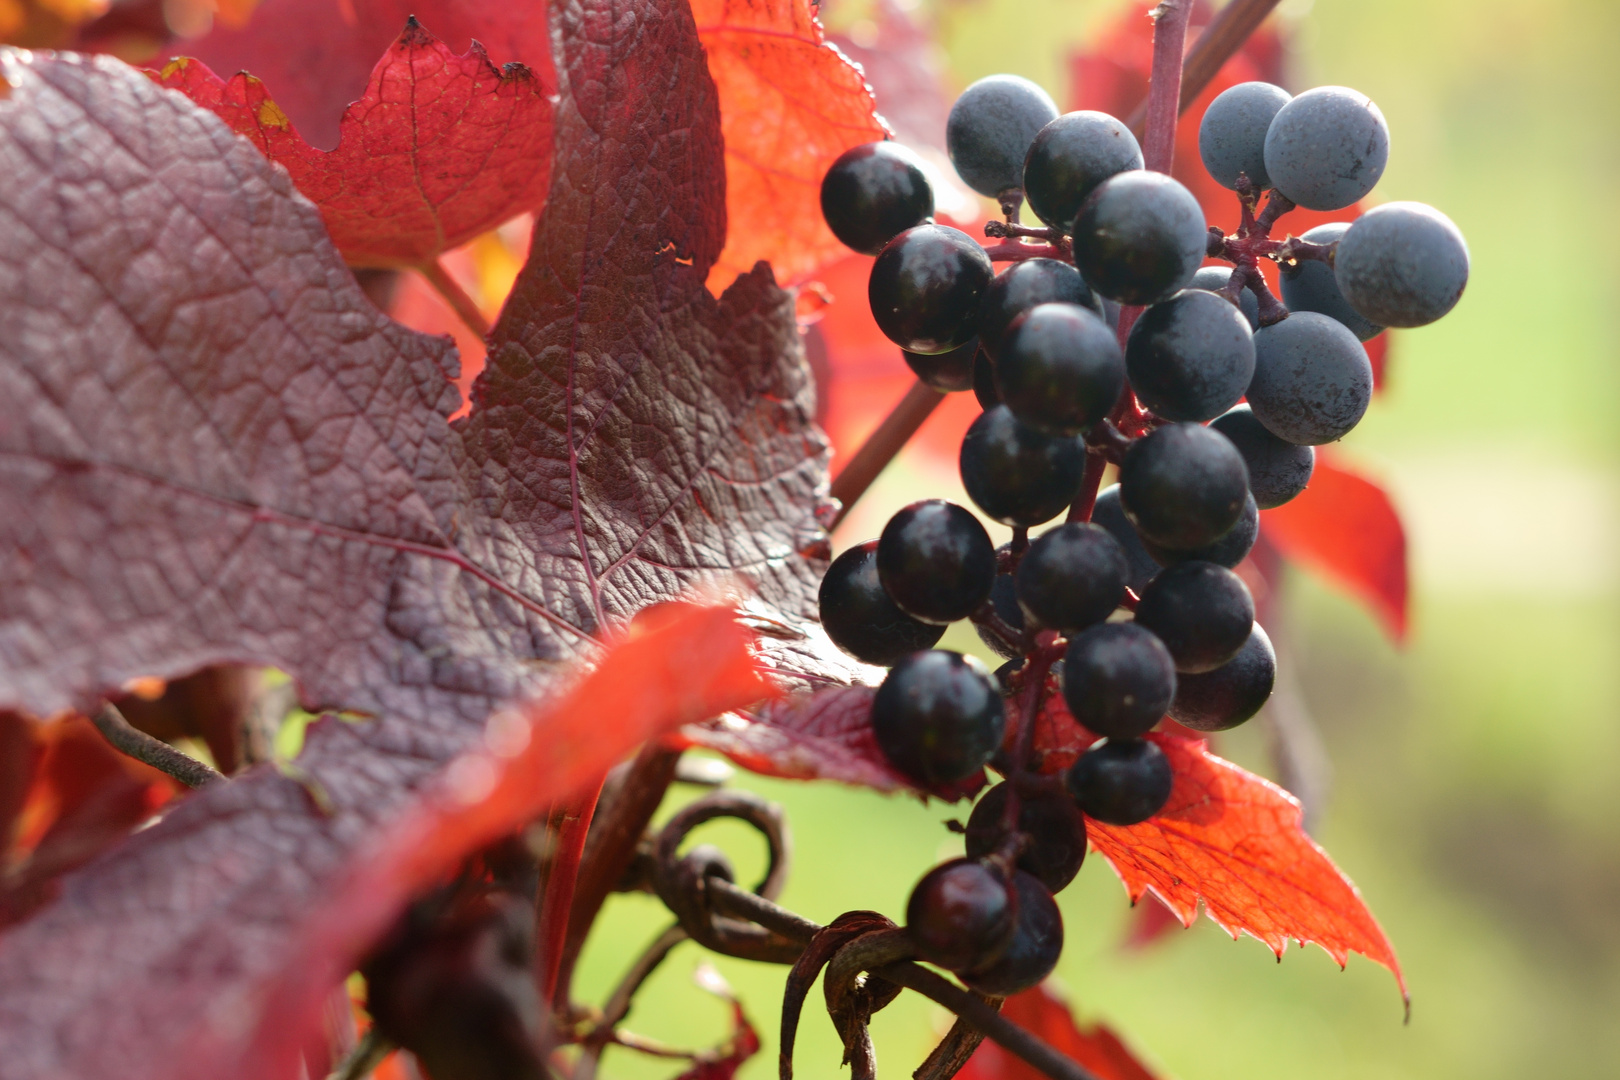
1475, 798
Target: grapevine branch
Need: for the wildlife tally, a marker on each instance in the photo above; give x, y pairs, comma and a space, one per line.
132, 742
1223, 37
450, 289
882, 445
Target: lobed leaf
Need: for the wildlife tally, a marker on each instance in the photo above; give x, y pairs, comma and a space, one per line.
1346, 528
218, 451
1042, 1012
438, 149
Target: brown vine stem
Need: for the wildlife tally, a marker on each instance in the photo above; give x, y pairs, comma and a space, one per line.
448, 287
1164, 85
743, 904
132, 742
882, 445
1224, 35
629, 803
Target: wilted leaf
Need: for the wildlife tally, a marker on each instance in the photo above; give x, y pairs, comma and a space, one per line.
1095, 1047
789, 105
680, 664
228, 455
1346, 528
1234, 841
438, 149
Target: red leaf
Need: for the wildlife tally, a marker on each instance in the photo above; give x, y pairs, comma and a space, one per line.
680, 665
1095, 1047
1234, 841
318, 55
723, 1062
439, 148
231, 456
789, 105
1346, 528
822, 736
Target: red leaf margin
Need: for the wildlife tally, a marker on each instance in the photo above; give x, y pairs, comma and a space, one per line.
1223, 830
1345, 527
1042, 1012
439, 149
677, 663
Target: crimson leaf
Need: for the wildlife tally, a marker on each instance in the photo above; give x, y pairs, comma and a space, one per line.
216, 450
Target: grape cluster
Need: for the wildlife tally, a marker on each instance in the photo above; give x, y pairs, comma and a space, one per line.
1106, 342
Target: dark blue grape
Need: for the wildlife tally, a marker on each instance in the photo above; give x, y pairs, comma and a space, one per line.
1228, 551
1118, 679
990, 128
938, 716
962, 915
873, 193
1070, 157
1024, 285
985, 390
1183, 486
1190, 357
1056, 831
925, 288
1004, 601
1060, 368
1111, 515
1232, 135
859, 616
1202, 612
1327, 148
936, 561
1121, 781
1017, 475
1402, 264
1232, 693
1309, 285
1139, 237
1036, 945
1072, 576
946, 372
1312, 379
1278, 469
1215, 278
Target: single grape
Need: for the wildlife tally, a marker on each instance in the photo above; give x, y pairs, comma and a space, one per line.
1215, 278
1278, 469
1072, 576
1183, 485
1060, 369
962, 915
985, 389
1121, 781
1070, 157
459, 992
859, 616
1233, 692
1232, 135
946, 372
1108, 513
1190, 357
936, 561
1017, 475
1228, 551
1202, 612
1312, 379
1309, 285
938, 716
1022, 286
1004, 600
1402, 264
1139, 237
1056, 831
925, 288
873, 193
1036, 945
990, 128
1118, 679
1327, 148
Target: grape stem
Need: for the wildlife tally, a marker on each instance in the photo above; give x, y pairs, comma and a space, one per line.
450, 290
1014, 251
882, 445
1252, 242
1222, 38
1164, 86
